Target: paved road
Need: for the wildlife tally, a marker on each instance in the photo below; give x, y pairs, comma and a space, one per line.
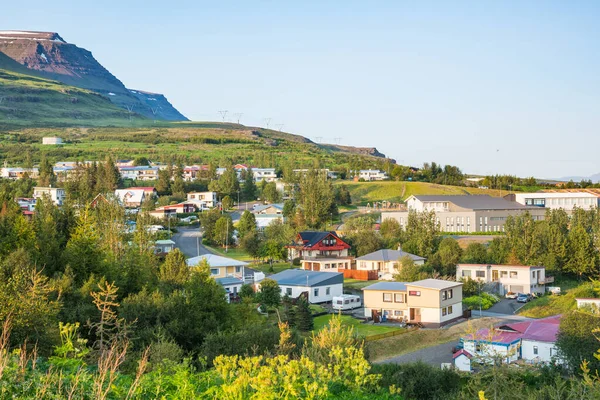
187, 240
506, 306
434, 355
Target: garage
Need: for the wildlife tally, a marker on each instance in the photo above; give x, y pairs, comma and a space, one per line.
516, 288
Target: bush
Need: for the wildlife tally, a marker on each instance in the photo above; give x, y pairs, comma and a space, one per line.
296, 262
487, 300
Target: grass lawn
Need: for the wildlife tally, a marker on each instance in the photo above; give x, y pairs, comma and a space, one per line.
382, 349
549, 305
359, 328
357, 284
315, 308
232, 252
277, 267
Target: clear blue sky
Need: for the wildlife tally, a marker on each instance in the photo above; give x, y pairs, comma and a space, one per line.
493, 87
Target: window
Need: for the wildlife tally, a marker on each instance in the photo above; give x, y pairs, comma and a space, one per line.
399, 298
288, 291
535, 350
316, 292
327, 291
339, 302
503, 274
387, 297
450, 293
444, 295
214, 271
414, 293
449, 310
480, 274
478, 347
238, 269
466, 273
444, 312
513, 274
398, 313
346, 302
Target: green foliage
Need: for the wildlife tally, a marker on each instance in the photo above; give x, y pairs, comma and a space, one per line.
422, 233
247, 224
486, 300
227, 203
174, 272
576, 342
303, 319
249, 189
447, 256
270, 293
475, 253
270, 193
316, 199
223, 231
247, 291
409, 271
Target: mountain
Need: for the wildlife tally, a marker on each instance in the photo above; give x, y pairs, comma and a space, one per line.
594, 178
48, 55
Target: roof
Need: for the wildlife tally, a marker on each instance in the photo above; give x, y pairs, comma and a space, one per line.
311, 238
476, 202
132, 195
228, 281
215, 261
388, 255
462, 352
437, 284
393, 286
260, 208
500, 266
144, 188
300, 277
539, 330
165, 241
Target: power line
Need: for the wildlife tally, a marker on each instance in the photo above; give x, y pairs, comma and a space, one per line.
337, 140
223, 114
238, 116
279, 127
268, 121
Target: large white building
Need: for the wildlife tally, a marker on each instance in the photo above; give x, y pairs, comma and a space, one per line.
372, 175
57, 195
468, 213
203, 200
321, 287
507, 278
566, 200
52, 140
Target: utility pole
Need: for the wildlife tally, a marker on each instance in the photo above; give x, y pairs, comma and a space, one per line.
337, 140
223, 114
279, 127
268, 121
130, 109
226, 236
238, 116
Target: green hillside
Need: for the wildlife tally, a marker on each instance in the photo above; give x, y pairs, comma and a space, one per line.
368, 192
28, 100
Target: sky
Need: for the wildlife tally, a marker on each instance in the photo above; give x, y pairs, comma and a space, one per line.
509, 87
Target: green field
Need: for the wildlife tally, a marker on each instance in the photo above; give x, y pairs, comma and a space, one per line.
357, 284
239, 254
361, 329
549, 305
368, 192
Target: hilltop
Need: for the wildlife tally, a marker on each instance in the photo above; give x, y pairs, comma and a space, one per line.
48, 55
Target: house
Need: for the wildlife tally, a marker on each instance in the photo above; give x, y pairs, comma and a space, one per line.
321, 251
532, 341
264, 174
220, 267
588, 302
430, 302
321, 287
124, 163
52, 140
385, 262
57, 195
203, 200
149, 191
326, 172
468, 213
193, 172
174, 209
19, 173
462, 360
130, 198
232, 287
264, 220
164, 246
26, 203
64, 173
276, 208
565, 200
507, 278
141, 173
372, 175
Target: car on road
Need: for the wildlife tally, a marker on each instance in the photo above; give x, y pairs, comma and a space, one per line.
189, 220
458, 347
523, 298
511, 295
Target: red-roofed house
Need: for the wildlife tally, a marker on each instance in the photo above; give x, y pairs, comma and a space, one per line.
532, 341
148, 190
462, 360
321, 251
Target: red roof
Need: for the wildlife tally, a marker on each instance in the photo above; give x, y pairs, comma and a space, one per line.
461, 352
541, 330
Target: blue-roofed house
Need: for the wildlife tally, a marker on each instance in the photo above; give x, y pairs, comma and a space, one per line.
321, 286
386, 262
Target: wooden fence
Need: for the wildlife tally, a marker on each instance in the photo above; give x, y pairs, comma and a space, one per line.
389, 334
360, 274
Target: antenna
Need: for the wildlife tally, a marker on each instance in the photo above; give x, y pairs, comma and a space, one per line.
223, 114
279, 127
238, 116
268, 121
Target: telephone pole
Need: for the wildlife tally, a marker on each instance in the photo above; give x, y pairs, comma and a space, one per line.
238, 116
223, 114
268, 121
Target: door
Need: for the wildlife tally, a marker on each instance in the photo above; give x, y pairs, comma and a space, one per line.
495, 277
415, 315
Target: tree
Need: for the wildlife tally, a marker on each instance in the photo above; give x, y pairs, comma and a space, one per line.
447, 256
247, 291
279, 232
141, 162
303, 316
251, 243
270, 293
247, 224
208, 220
178, 186
226, 203
270, 193
163, 186
46, 175
273, 250
49, 239
249, 189
108, 176
584, 254
174, 272
422, 233
575, 341
228, 183
475, 253
223, 231
391, 231
289, 208
409, 271
366, 241
315, 198
342, 195
83, 252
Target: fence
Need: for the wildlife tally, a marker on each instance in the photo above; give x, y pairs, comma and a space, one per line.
389, 334
360, 274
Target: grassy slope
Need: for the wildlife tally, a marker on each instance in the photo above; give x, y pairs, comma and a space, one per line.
32, 101
368, 192
549, 305
359, 328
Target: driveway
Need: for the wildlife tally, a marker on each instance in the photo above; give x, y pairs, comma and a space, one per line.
435, 355
505, 306
189, 241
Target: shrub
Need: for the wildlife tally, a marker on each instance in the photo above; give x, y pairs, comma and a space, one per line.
487, 300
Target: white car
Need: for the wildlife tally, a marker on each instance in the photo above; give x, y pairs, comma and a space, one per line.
511, 295
189, 220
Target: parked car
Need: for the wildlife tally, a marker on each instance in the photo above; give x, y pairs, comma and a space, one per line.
189, 220
523, 298
458, 347
511, 295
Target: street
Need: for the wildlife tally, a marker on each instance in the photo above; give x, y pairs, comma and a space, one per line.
187, 240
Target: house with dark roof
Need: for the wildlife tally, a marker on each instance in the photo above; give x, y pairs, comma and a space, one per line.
467, 213
532, 341
321, 251
429, 302
386, 262
320, 287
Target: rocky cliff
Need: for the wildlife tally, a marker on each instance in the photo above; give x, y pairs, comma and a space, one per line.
48, 55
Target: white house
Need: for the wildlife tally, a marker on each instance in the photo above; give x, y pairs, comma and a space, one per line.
566, 200
220, 267
320, 286
385, 262
372, 175
588, 302
532, 341
462, 360
52, 140
203, 200
57, 195
507, 278
131, 198
142, 173
264, 174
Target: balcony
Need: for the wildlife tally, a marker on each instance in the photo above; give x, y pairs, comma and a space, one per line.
549, 279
